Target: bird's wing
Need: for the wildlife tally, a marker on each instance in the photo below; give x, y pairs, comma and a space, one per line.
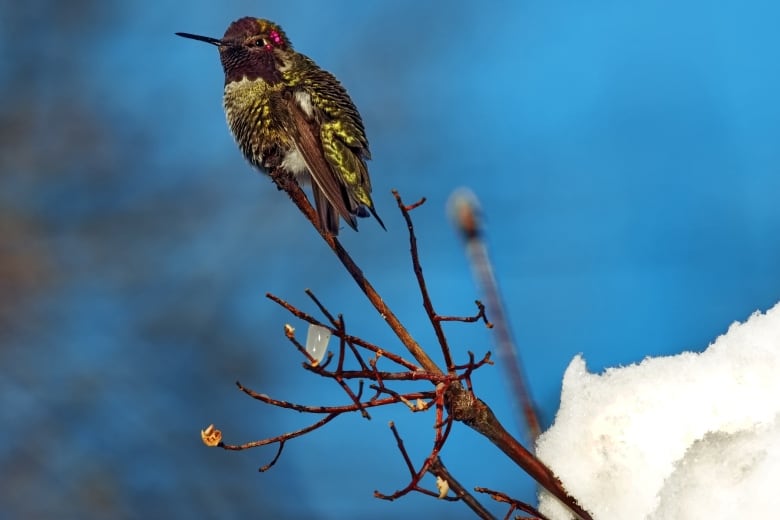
325, 182
345, 144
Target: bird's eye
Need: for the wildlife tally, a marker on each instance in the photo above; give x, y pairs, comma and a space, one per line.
261, 42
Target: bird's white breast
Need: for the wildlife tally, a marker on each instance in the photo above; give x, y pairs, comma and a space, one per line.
294, 163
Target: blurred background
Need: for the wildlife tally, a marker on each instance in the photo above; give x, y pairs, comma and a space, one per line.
626, 157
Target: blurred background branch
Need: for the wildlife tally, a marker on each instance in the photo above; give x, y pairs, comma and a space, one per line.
465, 213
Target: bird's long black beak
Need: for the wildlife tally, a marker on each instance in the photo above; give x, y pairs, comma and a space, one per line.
207, 39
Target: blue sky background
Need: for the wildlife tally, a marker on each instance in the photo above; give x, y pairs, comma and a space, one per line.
626, 157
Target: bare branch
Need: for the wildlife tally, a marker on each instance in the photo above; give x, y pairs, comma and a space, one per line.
280, 439
437, 468
416, 476
289, 332
418, 272
319, 305
353, 340
470, 319
395, 398
514, 504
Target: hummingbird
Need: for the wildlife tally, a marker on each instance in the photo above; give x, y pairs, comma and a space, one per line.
289, 116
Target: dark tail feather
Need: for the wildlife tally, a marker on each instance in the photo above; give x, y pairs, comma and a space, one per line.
364, 211
329, 217
373, 212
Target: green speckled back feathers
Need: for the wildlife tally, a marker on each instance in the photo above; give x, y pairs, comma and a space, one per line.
286, 113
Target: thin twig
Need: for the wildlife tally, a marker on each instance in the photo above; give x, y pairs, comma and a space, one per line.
442, 432
395, 398
320, 306
438, 469
350, 339
279, 439
498, 496
470, 319
418, 273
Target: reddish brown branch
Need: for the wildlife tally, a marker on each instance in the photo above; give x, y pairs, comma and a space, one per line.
320, 306
473, 412
413, 206
295, 311
418, 273
342, 345
395, 398
470, 319
514, 504
438, 469
268, 466
289, 332
353, 340
473, 365
355, 397
281, 439
419, 406
416, 476
400, 442
342, 333
376, 375
442, 428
